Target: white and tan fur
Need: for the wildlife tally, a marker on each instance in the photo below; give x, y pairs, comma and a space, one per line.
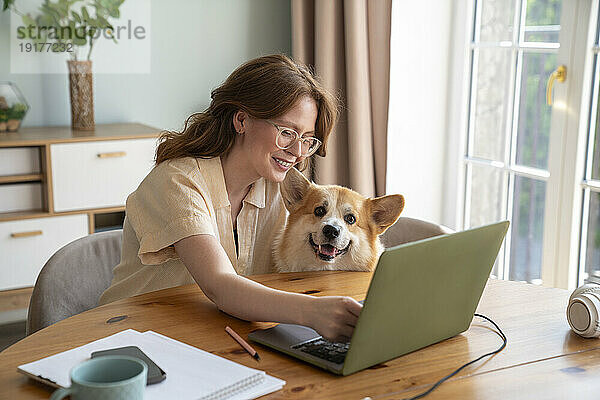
330, 227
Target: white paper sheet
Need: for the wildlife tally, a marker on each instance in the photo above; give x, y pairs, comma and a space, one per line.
191, 373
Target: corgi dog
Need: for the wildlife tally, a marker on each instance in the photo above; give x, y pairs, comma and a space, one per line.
331, 227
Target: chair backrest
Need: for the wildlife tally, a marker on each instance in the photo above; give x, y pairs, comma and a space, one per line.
74, 278
407, 230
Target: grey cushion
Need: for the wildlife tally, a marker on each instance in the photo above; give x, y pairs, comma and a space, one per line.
407, 230
74, 278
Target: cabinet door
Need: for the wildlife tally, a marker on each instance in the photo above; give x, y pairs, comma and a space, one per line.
98, 174
26, 245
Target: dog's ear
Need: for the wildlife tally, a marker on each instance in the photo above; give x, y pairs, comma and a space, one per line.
293, 188
385, 210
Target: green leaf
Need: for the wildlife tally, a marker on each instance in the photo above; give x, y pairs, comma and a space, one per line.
50, 10
85, 14
76, 17
103, 22
63, 9
77, 41
45, 20
7, 4
27, 20
72, 33
94, 23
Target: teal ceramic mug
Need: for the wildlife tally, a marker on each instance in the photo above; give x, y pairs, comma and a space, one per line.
106, 378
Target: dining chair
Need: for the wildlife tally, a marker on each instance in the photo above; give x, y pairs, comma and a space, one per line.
73, 279
407, 230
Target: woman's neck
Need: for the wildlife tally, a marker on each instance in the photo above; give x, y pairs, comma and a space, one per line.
238, 174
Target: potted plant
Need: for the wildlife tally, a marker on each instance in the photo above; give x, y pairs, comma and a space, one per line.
15, 115
75, 24
3, 120
13, 107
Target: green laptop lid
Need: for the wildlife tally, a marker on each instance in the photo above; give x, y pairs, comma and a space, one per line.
423, 292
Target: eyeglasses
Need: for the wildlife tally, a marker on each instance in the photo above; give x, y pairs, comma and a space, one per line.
287, 137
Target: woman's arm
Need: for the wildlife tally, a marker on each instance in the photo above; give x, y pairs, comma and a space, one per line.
334, 317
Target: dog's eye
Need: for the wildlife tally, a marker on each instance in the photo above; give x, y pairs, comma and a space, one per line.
350, 219
320, 211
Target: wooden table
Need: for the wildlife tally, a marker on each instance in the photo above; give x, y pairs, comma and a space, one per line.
543, 359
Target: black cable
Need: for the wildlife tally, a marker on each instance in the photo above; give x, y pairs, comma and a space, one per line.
438, 383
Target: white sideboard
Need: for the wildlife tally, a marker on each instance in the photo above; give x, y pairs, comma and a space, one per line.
57, 185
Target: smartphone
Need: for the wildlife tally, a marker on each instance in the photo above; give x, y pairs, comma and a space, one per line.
155, 373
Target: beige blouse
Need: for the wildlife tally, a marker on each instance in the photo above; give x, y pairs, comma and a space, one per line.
184, 197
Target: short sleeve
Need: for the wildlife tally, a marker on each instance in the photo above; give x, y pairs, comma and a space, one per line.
172, 203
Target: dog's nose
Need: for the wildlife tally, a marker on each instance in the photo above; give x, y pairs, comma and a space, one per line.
331, 232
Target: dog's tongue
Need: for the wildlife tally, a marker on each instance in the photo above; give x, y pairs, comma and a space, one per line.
327, 249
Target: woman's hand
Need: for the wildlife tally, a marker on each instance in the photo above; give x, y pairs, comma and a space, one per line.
334, 317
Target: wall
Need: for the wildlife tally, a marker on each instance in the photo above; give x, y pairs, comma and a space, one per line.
194, 46
417, 136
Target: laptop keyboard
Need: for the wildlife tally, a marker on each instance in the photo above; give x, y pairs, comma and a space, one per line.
330, 351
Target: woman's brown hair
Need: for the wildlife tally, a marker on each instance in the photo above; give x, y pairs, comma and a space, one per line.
265, 88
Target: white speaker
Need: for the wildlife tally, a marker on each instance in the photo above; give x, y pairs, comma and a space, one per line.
583, 311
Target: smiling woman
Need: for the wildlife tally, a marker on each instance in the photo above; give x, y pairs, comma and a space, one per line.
257, 152
209, 210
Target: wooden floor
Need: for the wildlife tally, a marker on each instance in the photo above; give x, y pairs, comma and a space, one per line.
11, 333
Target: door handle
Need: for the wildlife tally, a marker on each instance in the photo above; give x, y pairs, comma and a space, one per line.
560, 75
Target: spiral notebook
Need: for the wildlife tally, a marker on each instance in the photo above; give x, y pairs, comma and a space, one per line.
191, 373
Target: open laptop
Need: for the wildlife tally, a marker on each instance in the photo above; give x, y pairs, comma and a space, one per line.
420, 293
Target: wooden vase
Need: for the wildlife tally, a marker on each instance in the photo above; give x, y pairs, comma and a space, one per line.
82, 95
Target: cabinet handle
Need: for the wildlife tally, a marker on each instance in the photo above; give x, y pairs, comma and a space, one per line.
112, 155
25, 234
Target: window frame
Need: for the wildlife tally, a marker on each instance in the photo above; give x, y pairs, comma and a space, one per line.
560, 261
563, 207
